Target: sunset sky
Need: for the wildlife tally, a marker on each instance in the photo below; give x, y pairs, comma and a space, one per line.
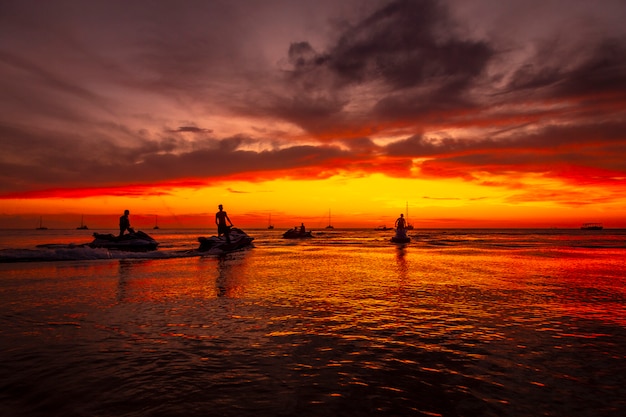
475, 113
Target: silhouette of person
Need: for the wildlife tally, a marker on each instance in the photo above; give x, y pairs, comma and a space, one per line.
220, 220
125, 223
400, 222
302, 229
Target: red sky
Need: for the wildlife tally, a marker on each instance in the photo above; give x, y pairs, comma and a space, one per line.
475, 113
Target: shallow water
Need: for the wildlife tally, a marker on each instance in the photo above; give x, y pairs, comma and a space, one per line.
457, 323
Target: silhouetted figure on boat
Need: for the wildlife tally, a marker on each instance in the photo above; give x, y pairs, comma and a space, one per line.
125, 223
220, 220
297, 232
400, 222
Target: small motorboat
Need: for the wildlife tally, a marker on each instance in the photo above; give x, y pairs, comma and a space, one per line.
592, 226
136, 241
400, 236
238, 240
296, 233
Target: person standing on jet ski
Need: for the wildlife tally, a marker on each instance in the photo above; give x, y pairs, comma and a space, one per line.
400, 222
125, 223
220, 220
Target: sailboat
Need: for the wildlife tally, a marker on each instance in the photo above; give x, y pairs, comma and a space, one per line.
409, 226
270, 226
41, 226
82, 226
330, 226
156, 224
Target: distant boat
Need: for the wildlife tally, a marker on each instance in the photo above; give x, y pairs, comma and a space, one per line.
592, 226
382, 228
297, 233
270, 226
156, 224
330, 226
41, 226
82, 226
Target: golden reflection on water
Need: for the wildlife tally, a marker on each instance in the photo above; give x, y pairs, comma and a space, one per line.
321, 323
402, 266
231, 276
360, 286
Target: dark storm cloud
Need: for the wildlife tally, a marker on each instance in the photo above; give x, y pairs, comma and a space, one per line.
149, 162
580, 154
598, 67
406, 45
70, 158
45, 77
552, 139
360, 145
229, 160
304, 58
418, 146
604, 70
416, 50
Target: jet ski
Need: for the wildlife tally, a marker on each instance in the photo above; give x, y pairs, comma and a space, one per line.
400, 236
295, 233
136, 241
238, 240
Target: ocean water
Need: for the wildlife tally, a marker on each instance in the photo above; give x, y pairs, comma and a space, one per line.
455, 323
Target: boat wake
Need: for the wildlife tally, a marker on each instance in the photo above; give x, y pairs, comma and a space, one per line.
47, 253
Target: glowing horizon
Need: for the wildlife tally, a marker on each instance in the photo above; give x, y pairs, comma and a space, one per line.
369, 201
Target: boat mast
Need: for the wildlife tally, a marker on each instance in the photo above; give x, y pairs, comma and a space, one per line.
41, 226
409, 226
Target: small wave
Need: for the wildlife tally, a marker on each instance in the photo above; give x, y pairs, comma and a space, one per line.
439, 242
51, 253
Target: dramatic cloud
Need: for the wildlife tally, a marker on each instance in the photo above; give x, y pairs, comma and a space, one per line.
106, 94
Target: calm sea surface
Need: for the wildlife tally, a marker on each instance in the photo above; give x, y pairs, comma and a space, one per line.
456, 323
